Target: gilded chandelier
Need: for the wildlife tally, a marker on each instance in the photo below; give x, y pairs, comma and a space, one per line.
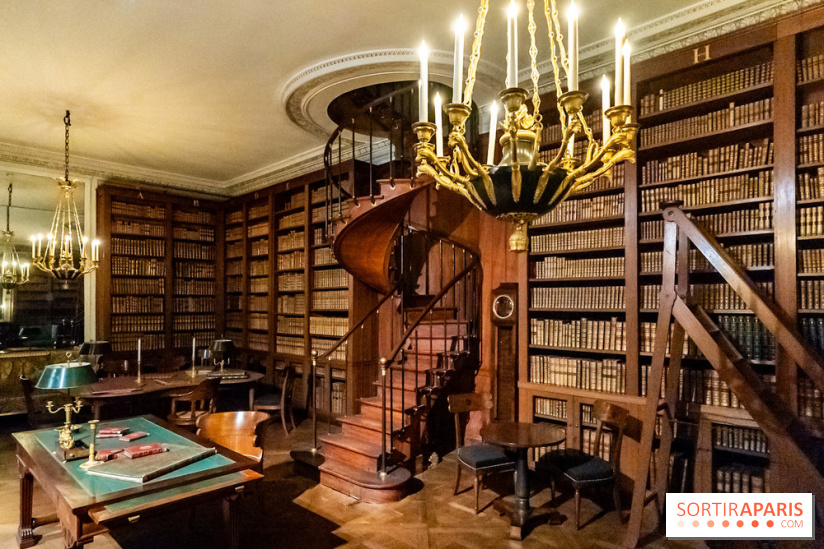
65, 255
520, 188
12, 272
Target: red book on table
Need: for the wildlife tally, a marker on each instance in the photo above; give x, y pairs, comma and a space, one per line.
142, 450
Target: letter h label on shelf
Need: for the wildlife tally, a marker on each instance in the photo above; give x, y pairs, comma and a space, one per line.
701, 54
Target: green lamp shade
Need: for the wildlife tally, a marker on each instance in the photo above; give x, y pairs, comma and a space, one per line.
66, 376
222, 348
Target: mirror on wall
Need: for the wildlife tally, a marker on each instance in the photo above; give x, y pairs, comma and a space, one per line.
44, 312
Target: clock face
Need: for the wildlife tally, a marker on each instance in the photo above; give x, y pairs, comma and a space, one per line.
503, 307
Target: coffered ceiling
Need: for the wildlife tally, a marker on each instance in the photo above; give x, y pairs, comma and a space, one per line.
213, 96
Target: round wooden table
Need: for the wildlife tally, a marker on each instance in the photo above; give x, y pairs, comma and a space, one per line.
520, 437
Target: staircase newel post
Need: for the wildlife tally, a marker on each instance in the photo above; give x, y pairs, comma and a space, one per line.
383, 418
314, 402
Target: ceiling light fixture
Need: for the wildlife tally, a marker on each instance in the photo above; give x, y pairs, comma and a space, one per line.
12, 273
65, 256
520, 188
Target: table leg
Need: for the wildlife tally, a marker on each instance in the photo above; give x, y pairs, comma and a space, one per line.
25, 532
230, 520
521, 515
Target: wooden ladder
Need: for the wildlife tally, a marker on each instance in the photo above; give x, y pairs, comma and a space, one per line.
677, 314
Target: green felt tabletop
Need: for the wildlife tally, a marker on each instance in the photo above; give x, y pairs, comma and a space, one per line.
99, 486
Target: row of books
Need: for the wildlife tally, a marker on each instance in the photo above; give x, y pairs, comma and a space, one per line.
290, 283
810, 399
703, 386
140, 286
591, 297
811, 261
588, 443
234, 217
258, 321
323, 345
259, 210
189, 323
196, 218
748, 255
550, 407
192, 304
552, 134
810, 186
811, 294
258, 248
324, 256
189, 250
614, 179
257, 341
128, 342
138, 228
202, 234
234, 250
127, 266
184, 341
735, 437
137, 323
144, 247
295, 200
319, 236
647, 341
750, 335
578, 149
742, 479
337, 300
810, 221
290, 345
259, 303
290, 325
712, 191
812, 115
721, 84
709, 296
759, 218
810, 68
292, 304
290, 241
578, 240
194, 287
233, 268
328, 325
607, 375
233, 233
194, 270
330, 278
259, 285
234, 302
297, 219
335, 210
590, 208
731, 117
258, 268
138, 210
811, 149
234, 320
561, 267
602, 335
716, 161
324, 194
813, 329
137, 304
292, 260
258, 229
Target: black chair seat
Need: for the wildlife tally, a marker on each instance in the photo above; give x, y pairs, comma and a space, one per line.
271, 399
480, 456
578, 466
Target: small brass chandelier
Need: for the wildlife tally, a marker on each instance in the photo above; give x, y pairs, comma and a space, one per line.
66, 255
12, 273
520, 188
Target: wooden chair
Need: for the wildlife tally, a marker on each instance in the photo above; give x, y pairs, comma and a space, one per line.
171, 363
200, 401
481, 459
37, 415
242, 432
280, 403
582, 470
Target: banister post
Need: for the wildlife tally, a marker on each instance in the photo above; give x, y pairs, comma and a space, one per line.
314, 402
383, 362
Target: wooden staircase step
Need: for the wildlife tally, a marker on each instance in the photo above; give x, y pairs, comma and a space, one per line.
366, 429
372, 408
367, 486
353, 451
450, 327
435, 345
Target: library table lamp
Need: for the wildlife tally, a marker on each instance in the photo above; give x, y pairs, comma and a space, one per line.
222, 350
66, 375
522, 186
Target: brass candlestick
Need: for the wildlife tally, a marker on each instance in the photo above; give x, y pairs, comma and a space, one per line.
91, 461
65, 439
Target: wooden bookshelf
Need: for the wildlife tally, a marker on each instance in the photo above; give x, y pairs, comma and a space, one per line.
158, 274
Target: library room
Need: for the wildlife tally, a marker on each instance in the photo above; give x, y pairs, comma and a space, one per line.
437, 275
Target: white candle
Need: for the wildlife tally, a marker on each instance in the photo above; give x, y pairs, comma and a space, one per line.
493, 132
25, 270
457, 76
33, 247
627, 51
604, 107
194, 351
95, 250
423, 101
138, 350
620, 35
573, 47
438, 125
512, 46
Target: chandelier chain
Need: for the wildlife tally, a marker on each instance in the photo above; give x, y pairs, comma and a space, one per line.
476, 52
533, 63
8, 210
553, 56
67, 121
